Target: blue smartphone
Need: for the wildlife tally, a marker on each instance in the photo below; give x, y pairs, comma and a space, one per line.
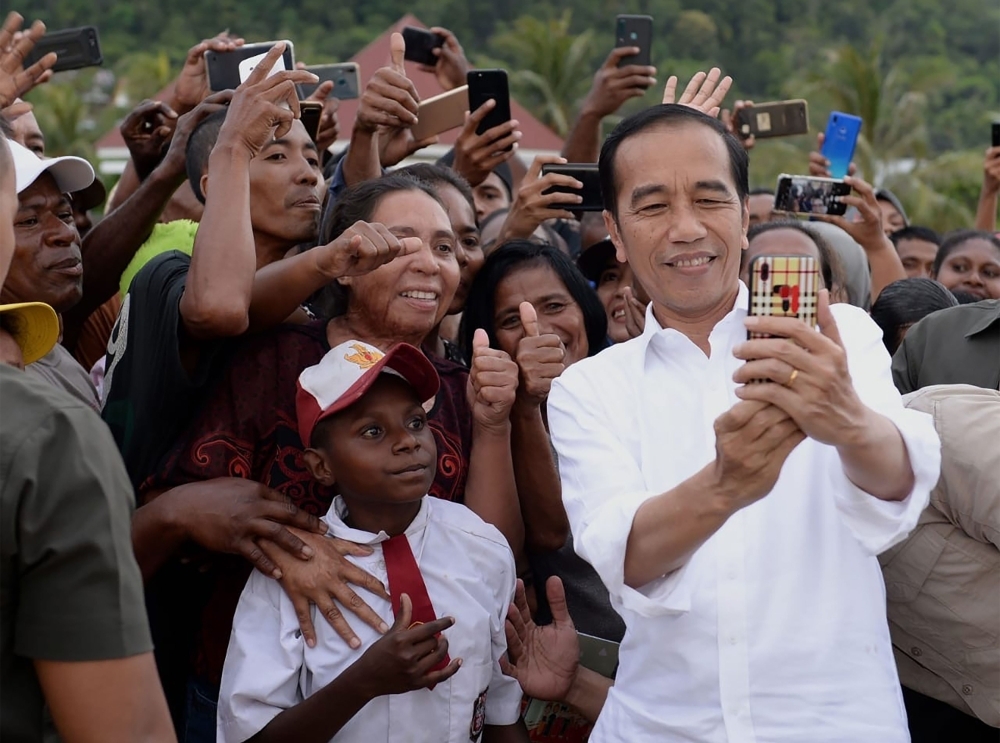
838, 144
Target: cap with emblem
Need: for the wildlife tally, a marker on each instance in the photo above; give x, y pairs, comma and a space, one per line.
346, 373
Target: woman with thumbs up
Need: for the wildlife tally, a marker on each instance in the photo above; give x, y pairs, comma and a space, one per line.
535, 305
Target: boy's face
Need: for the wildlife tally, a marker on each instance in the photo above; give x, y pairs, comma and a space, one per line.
380, 449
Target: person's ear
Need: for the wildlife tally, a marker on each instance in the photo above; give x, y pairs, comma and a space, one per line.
611, 225
203, 185
319, 467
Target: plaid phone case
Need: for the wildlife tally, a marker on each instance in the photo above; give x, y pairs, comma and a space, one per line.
784, 286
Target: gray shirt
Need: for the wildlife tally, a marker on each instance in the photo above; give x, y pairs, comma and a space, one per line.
70, 588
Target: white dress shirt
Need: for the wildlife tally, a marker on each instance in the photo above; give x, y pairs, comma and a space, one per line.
469, 573
775, 629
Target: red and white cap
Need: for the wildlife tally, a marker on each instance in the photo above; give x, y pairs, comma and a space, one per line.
344, 375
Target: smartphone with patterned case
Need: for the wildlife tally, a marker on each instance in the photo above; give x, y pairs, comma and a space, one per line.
784, 286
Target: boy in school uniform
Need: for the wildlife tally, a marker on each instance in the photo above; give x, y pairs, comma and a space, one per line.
435, 675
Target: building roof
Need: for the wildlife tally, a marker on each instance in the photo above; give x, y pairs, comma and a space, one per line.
536, 136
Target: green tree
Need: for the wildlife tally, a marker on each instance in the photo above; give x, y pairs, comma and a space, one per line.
554, 69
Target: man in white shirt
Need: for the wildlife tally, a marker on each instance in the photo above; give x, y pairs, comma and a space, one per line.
736, 527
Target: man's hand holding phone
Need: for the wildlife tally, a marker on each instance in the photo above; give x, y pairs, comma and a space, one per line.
476, 155
451, 66
263, 108
532, 205
613, 86
819, 165
191, 87
147, 131
867, 229
731, 120
329, 126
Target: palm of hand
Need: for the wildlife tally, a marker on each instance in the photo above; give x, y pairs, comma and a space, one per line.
548, 662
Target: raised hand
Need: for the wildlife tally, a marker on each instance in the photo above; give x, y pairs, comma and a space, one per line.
329, 126
402, 660
544, 660
147, 131
635, 313
532, 205
613, 86
991, 171
361, 248
14, 47
175, 161
492, 384
396, 141
389, 99
476, 155
263, 108
866, 231
819, 166
731, 120
191, 87
540, 358
705, 92
452, 66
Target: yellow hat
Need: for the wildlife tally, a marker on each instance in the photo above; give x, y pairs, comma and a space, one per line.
35, 328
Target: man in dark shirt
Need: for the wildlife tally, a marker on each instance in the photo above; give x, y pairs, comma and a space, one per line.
958, 345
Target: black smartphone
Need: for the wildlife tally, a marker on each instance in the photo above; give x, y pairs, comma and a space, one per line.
773, 119
635, 30
420, 45
74, 47
346, 79
996, 133
224, 67
588, 175
805, 195
310, 112
484, 85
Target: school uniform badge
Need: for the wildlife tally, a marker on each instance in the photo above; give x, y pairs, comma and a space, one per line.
478, 717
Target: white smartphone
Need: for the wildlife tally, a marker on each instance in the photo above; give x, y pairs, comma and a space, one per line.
248, 65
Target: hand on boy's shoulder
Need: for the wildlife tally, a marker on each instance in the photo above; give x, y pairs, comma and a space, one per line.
406, 657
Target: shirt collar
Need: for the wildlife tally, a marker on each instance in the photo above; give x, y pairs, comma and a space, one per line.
738, 313
985, 321
338, 512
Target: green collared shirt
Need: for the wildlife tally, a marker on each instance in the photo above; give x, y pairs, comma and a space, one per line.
959, 345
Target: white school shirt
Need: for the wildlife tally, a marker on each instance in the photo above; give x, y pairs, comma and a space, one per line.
469, 573
775, 629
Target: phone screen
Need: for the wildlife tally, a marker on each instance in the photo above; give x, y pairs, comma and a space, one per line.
799, 194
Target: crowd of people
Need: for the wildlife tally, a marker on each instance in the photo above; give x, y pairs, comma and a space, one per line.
304, 445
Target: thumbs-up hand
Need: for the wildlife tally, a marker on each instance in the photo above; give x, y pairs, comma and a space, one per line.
540, 359
389, 100
402, 659
492, 385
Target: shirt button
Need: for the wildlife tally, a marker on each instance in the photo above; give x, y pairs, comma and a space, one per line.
381, 564
733, 640
967, 689
916, 652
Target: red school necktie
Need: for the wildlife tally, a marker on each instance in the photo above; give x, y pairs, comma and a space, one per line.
404, 577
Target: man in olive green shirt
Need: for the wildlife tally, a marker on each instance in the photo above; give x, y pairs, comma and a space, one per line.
73, 628
959, 345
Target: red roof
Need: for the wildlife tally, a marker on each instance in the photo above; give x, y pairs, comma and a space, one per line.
536, 136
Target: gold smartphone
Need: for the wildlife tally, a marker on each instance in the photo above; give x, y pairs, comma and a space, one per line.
441, 113
784, 286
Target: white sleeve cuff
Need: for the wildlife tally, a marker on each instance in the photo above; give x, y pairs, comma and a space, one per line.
878, 524
603, 542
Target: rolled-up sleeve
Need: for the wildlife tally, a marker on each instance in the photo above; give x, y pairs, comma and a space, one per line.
263, 664
603, 488
878, 524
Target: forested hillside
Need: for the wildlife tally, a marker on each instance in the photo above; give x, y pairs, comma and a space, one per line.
923, 73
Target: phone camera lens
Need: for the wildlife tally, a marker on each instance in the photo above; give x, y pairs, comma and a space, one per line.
634, 36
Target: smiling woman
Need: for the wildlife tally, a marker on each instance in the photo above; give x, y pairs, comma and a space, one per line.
969, 261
